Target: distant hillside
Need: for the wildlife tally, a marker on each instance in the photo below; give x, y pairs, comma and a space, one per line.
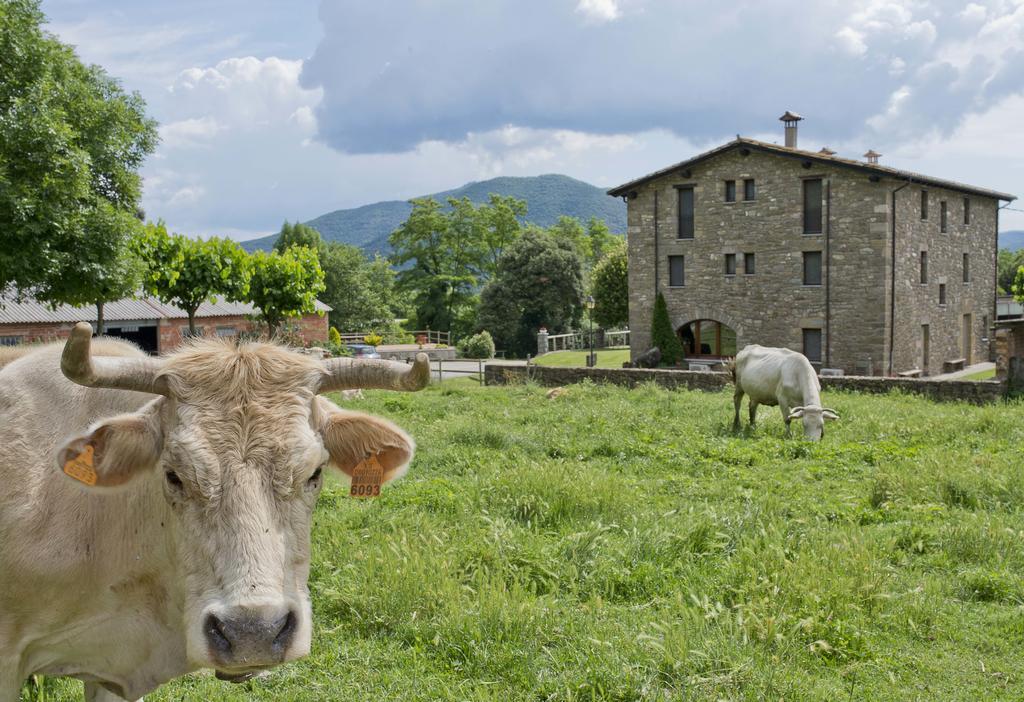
1012, 240
548, 197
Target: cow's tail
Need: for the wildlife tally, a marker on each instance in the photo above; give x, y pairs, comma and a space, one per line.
730, 367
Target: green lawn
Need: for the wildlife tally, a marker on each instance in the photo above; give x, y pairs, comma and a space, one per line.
626, 545
981, 375
606, 358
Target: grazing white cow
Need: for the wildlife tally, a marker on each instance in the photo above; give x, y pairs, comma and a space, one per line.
155, 512
780, 377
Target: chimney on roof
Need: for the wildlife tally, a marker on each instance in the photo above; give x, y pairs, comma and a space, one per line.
872, 156
790, 119
825, 151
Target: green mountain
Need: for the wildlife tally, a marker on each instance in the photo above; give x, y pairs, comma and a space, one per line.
1012, 240
548, 197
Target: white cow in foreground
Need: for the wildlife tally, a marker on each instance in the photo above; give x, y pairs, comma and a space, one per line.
190, 549
780, 377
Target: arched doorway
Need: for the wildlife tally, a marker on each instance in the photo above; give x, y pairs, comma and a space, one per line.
707, 338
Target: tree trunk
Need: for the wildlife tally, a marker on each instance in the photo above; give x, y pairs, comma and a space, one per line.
100, 328
192, 322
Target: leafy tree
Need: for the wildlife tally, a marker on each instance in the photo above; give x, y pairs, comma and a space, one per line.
663, 336
97, 276
299, 234
361, 292
601, 239
539, 282
71, 144
188, 272
611, 289
1008, 263
1018, 285
285, 284
501, 226
437, 259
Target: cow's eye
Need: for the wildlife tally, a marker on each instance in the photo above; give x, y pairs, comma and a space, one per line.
173, 480
313, 479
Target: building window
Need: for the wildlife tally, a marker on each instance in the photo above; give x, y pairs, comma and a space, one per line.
812, 206
925, 350
227, 331
685, 213
924, 204
812, 345
967, 210
730, 264
924, 267
943, 224
749, 191
748, 263
676, 272
967, 268
812, 268
11, 340
942, 293
730, 191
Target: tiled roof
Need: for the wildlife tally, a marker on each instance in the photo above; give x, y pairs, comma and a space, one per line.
148, 308
818, 157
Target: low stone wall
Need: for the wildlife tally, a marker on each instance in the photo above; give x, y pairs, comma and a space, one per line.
977, 392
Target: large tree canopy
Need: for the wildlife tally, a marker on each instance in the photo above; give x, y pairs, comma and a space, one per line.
188, 272
285, 284
539, 283
71, 144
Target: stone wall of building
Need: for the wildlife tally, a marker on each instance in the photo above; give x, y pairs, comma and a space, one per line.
1009, 353
918, 304
772, 306
976, 392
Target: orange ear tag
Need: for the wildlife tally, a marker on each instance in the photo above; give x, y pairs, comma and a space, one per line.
80, 467
367, 478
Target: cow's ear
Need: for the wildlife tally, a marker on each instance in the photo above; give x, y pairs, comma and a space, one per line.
114, 451
350, 437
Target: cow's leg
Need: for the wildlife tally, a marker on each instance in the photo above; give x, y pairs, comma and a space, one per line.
753, 412
785, 415
94, 692
737, 400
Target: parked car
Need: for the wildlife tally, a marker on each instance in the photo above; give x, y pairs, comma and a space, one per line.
364, 351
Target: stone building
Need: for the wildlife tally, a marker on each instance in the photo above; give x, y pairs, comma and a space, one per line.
154, 326
862, 267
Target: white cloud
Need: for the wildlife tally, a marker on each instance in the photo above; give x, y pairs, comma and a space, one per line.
186, 196
974, 12
188, 132
852, 40
599, 10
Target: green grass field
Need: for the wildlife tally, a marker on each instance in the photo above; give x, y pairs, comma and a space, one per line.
626, 545
981, 375
606, 358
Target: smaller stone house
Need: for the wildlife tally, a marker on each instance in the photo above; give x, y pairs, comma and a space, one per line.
154, 326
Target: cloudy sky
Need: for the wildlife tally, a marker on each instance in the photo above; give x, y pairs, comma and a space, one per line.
275, 110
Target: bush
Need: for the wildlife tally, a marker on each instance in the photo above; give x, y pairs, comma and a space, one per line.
334, 337
663, 336
477, 346
373, 339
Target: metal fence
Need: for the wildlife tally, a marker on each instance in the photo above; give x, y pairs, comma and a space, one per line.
449, 370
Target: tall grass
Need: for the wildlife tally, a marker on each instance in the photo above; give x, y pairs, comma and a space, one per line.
617, 544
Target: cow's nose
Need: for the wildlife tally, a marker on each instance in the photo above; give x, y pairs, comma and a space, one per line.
250, 637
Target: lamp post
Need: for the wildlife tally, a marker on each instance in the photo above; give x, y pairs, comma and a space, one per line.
592, 359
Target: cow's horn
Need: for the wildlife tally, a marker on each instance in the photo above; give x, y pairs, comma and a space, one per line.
118, 372
349, 374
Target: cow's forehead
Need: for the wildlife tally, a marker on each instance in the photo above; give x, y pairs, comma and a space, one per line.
212, 371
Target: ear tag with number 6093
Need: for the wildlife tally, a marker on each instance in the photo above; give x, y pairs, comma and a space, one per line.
367, 478
80, 467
